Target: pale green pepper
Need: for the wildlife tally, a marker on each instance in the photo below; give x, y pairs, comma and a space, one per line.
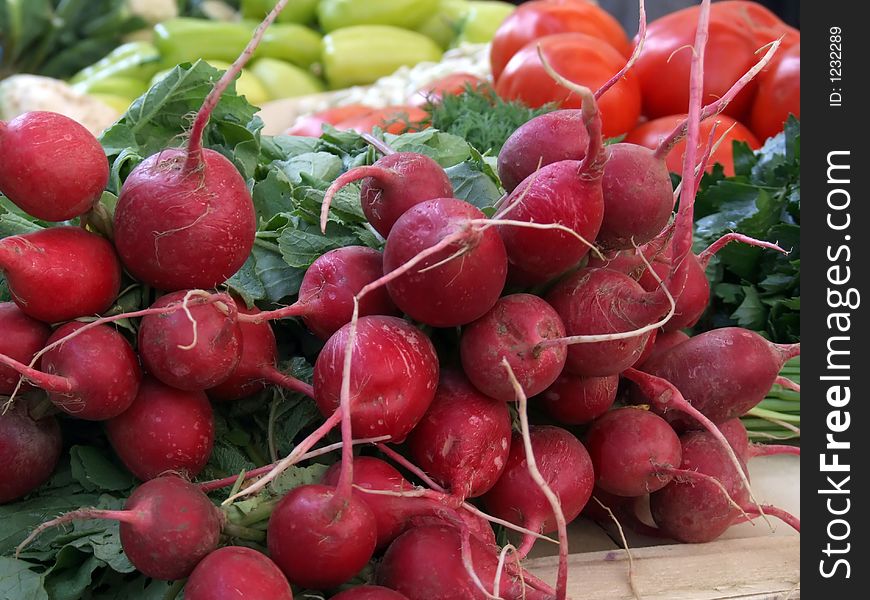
483, 20
247, 84
127, 87
116, 102
135, 60
446, 24
283, 80
186, 40
361, 55
296, 11
337, 14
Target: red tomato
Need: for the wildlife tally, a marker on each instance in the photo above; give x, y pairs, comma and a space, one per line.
764, 24
392, 119
664, 64
582, 59
311, 125
452, 85
779, 94
651, 133
533, 20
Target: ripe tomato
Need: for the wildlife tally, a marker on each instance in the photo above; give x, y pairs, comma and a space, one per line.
534, 20
664, 64
764, 24
311, 125
651, 133
451, 85
779, 93
582, 59
392, 119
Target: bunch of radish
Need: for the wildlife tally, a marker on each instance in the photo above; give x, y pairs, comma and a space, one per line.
586, 223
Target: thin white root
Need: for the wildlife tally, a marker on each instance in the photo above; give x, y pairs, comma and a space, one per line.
631, 582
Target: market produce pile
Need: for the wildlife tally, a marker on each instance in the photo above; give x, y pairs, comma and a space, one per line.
357, 365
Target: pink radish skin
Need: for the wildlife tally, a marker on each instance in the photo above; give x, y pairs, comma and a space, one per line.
256, 367
737, 436
22, 337
369, 592
723, 373
29, 451
694, 296
517, 498
638, 196
318, 540
393, 380
696, 511
392, 185
425, 563
94, 376
60, 262
663, 342
179, 228
167, 526
574, 400
164, 342
512, 329
458, 291
164, 430
463, 440
330, 283
52, 167
546, 139
237, 572
632, 451
602, 301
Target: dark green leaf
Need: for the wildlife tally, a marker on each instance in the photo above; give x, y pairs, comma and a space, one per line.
473, 185
96, 472
18, 582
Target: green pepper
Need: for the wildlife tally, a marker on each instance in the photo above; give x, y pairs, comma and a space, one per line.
483, 20
134, 60
297, 11
119, 86
117, 102
337, 14
283, 80
360, 55
446, 24
247, 83
186, 40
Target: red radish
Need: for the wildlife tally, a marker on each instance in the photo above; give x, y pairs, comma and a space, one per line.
515, 496
394, 376
167, 526
93, 376
22, 337
60, 262
603, 302
548, 138
574, 400
164, 430
326, 294
237, 572
400, 509
513, 329
192, 351
256, 368
184, 217
723, 373
29, 451
460, 266
464, 438
318, 539
663, 342
392, 185
426, 563
736, 434
566, 192
369, 592
52, 167
632, 451
698, 511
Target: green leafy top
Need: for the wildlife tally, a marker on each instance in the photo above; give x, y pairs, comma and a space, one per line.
754, 288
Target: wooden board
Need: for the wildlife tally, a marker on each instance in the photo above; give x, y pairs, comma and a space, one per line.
759, 568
